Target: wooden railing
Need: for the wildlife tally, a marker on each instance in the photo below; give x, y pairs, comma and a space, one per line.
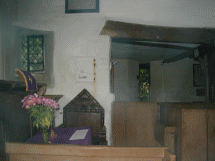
133, 124
191, 130
26, 152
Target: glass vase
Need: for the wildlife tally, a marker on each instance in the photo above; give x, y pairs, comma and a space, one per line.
45, 134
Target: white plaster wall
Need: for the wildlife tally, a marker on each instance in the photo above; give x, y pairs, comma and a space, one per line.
133, 72
8, 40
183, 13
11, 50
73, 37
173, 82
72, 40
47, 77
121, 80
125, 80
156, 82
1, 44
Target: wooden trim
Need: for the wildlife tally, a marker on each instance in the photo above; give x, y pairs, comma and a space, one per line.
168, 156
117, 29
23, 157
207, 95
83, 151
54, 97
152, 44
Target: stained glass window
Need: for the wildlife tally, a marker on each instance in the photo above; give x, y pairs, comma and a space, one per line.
144, 81
32, 53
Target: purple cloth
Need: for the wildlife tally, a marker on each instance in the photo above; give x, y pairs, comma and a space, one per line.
31, 82
63, 136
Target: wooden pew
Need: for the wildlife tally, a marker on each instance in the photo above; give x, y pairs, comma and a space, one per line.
192, 137
32, 152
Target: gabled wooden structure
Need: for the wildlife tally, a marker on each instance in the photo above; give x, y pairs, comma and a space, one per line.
85, 110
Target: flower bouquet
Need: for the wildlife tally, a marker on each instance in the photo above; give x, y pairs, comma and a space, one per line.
43, 110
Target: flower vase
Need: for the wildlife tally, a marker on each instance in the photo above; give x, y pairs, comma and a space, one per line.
45, 134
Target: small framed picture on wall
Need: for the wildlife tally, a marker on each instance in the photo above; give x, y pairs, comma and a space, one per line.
85, 69
81, 6
198, 76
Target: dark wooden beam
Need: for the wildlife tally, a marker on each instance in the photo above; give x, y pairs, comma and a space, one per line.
178, 57
117, 29
152, 44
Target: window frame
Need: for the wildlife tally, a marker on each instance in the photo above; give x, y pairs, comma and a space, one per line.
69, 10
28, 62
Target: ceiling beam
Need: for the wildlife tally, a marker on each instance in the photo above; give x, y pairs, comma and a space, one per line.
178, 57
117, 29
152, 44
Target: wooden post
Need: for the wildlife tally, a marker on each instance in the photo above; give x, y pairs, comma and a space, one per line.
207, 80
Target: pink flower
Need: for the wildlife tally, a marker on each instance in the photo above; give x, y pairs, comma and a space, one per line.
40, 97
55, 105
43, 99
35, 95
34, 101
47, 101
24, 104
33, 98
39, 101
23, 100
26, 98
27, 107
31, 102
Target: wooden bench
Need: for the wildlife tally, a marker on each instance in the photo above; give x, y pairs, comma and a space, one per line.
26, 152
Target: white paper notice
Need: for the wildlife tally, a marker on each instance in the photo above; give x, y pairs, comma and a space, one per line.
79, 134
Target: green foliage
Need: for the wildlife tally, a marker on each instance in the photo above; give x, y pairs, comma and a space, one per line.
43, 116
144, 84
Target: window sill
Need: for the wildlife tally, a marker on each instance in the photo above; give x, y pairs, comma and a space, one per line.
37, 73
